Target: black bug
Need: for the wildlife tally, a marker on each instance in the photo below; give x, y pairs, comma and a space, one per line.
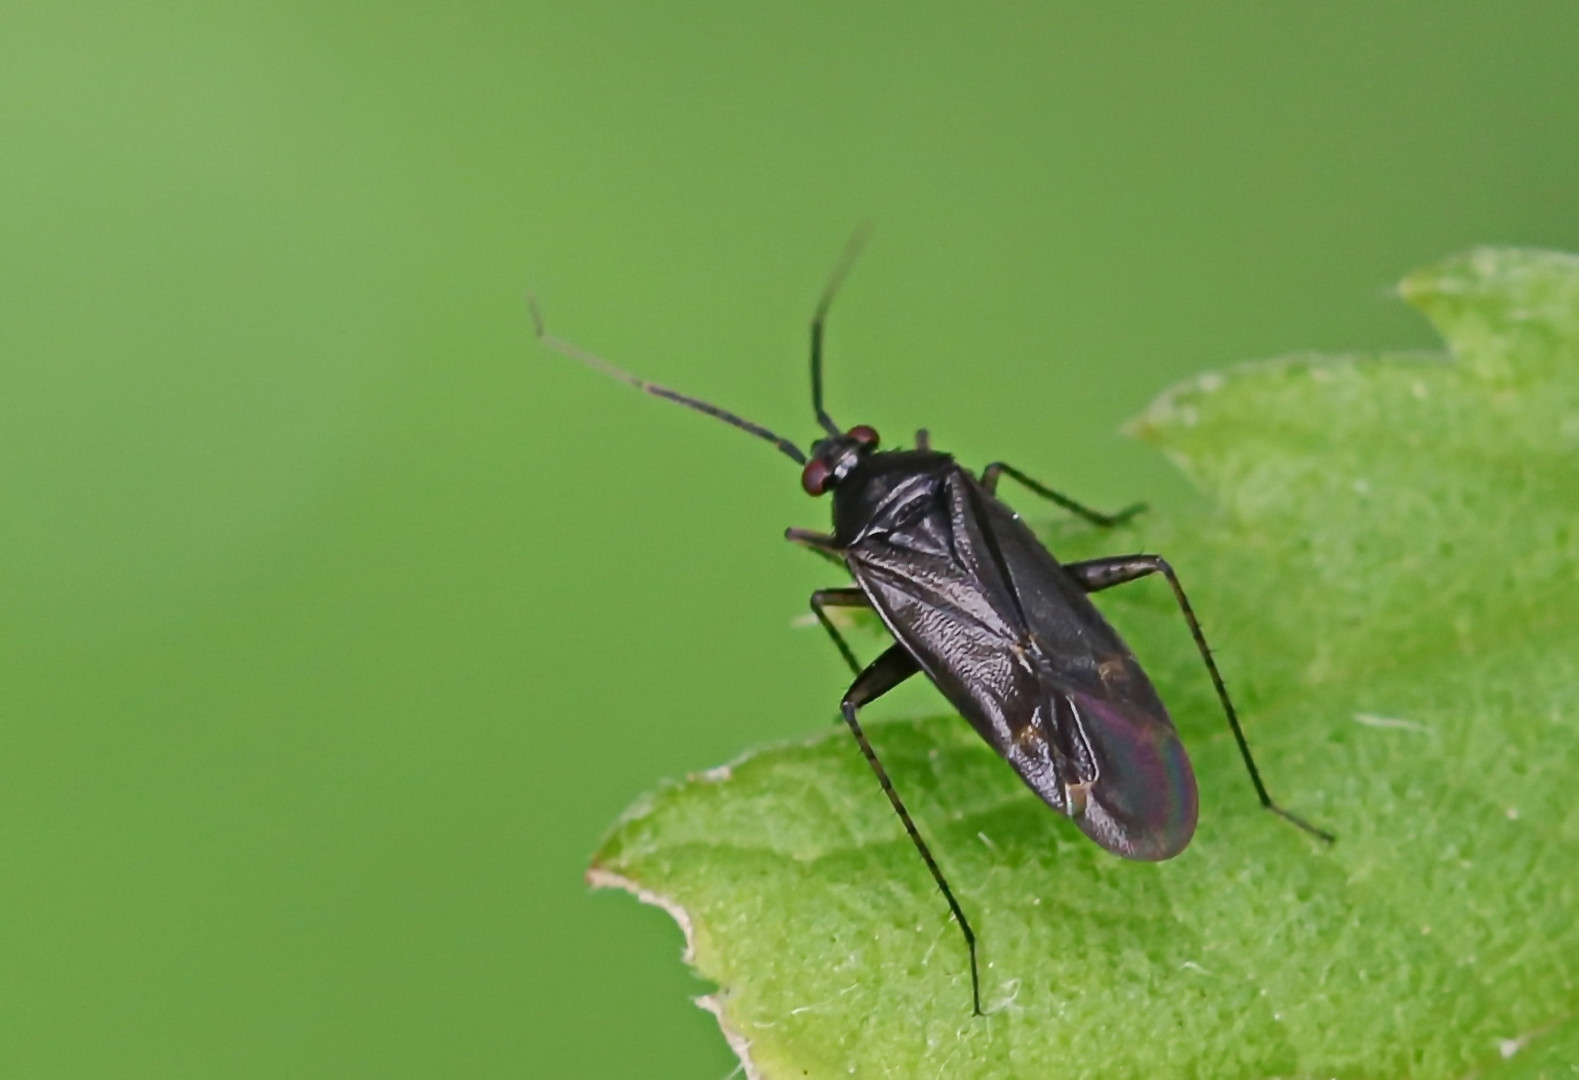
1005, 631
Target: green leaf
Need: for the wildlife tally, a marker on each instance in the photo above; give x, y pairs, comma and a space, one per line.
1390, 574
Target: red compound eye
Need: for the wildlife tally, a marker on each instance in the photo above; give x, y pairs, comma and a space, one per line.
814, 477
863, 434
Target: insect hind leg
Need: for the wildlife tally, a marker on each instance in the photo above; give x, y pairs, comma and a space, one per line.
991, 474
1094, 575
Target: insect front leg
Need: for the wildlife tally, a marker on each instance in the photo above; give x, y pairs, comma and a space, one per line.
1094, 575
882, 675
989, 480
816, 542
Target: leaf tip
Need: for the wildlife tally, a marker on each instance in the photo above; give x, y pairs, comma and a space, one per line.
1490, 303
1174, 408
1488, 272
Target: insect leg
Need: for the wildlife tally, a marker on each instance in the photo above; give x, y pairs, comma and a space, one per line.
827, 598
886, 672
810, 539
989, 480
1094, 575
817, 542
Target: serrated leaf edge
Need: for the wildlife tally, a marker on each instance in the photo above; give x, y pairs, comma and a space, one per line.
1171, 407
599, 878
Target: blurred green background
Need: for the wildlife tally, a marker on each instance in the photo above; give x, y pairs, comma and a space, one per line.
339, 619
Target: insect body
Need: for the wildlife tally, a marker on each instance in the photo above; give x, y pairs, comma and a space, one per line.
1005, 631
1008, 635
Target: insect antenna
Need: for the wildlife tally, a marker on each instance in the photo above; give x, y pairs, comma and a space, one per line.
852, 251
576, 352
